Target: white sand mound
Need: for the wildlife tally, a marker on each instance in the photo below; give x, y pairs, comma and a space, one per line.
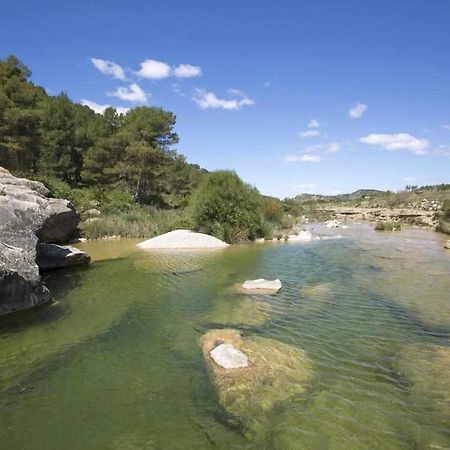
183, 239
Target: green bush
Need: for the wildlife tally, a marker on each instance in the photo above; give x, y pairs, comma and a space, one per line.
388, 226
226, 207
272, 210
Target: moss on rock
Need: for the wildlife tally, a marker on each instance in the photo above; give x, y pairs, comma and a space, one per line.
277, 372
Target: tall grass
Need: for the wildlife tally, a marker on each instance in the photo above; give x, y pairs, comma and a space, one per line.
135, 223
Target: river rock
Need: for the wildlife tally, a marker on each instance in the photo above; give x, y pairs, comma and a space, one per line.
333, 224
447, 245
182, 239
276, 372
229, 357
260, 286
52, 256
28, 215
20, 283
93, 212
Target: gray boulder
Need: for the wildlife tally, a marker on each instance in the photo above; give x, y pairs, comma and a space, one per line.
52, 256
28, 215
20, 283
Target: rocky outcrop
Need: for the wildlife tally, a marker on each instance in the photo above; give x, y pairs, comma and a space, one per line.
20, 283
383, 214
28, 216
52, 256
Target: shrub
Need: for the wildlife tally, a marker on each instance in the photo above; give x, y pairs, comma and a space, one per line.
272, 210
388, 226
226, 207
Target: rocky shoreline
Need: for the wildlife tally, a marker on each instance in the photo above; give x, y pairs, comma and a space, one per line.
31, 225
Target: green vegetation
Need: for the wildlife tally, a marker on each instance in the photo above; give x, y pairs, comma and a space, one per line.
123, 165
227, 208
444, 222
388, 226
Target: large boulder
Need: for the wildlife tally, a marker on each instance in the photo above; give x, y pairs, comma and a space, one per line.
182, 239
28, 215
20, 283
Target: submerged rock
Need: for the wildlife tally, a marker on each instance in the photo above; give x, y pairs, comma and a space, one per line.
229, 357
240, 310
260, 286
427, 368
52, 256
276, 372
182, 239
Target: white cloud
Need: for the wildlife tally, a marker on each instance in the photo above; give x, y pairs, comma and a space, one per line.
399, 141
109, 68
100, 109
447, 127
313, 123
187, 71
303, 158
358, 111
155, 70
333, 147
206, 100
133, 93
310, 133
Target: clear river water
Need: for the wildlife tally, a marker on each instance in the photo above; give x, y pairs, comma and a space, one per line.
115, 362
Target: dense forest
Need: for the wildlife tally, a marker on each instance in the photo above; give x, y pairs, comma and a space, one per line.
53, 137
123, 165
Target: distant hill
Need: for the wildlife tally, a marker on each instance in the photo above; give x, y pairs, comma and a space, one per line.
360, 193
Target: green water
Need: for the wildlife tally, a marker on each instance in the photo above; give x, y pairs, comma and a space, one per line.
115, 362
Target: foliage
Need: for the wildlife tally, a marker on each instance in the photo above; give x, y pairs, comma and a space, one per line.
227, 208
53, 138
137, 222
388, 226
272, 209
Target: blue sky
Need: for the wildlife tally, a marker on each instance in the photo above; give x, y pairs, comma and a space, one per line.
320, 96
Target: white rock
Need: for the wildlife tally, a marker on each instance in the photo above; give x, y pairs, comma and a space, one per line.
447, 245
182, 239
262, 283
303, 236
333, 224
229, 357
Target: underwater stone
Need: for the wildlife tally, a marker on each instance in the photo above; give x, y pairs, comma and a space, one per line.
277, 372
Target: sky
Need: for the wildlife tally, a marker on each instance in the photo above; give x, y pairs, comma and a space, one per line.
319, 96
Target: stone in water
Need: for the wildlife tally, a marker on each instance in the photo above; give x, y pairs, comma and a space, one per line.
261, 283
229, 357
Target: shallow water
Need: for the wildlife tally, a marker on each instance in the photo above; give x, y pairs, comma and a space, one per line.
115, 362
